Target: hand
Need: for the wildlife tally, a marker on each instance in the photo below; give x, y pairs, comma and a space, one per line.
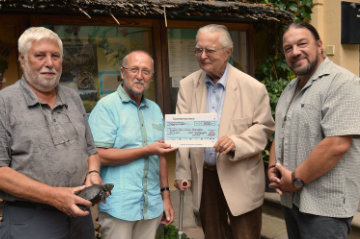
285, 184
65, 200
159, 148
178, 185
274, 178
92, 179
224, 145
168, 212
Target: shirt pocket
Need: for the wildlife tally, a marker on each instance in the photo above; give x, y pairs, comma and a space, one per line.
157, 131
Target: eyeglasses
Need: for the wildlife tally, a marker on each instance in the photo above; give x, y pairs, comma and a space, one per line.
135, 70
208, 51
69, 133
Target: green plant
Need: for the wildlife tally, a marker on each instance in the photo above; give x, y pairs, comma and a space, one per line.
273, 71
171, 232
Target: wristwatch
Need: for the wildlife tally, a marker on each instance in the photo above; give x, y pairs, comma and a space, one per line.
297, 182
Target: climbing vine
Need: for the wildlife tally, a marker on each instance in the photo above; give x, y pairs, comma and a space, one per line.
273, 71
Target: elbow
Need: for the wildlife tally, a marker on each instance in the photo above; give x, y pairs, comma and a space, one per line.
343, 145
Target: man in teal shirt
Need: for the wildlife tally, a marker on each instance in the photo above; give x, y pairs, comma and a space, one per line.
128, 132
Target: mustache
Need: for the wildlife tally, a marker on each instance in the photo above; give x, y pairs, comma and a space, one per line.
48, 71
139, 81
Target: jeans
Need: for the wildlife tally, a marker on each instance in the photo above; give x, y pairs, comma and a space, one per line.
301, 225
24, 220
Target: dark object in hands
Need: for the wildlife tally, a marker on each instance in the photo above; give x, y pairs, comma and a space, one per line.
95, 193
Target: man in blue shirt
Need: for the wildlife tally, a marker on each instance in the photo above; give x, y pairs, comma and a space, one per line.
128, 131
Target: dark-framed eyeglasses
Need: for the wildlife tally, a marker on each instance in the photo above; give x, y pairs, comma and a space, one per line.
135, 70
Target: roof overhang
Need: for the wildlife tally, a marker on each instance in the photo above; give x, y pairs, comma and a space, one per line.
176, 9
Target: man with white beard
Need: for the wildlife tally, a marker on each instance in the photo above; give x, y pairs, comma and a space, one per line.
46, 147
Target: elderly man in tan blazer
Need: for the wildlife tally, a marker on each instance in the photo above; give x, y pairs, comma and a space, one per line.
228, 180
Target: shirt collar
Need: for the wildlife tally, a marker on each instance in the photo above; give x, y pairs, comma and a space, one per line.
31, 98
126, 98
322, 70
222, 81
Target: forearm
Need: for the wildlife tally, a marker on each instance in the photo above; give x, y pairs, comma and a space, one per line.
254, 139
21, 186
164, 178
163, 172
114, 156
94, 162
323, 158
251, 142
272, 160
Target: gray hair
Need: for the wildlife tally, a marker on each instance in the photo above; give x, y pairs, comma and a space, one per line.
124, 60
225, 38
36, 34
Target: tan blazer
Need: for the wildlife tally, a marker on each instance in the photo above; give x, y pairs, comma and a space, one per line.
246, 119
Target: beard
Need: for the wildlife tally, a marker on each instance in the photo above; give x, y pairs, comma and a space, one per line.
138, 84
308, 69
40, 82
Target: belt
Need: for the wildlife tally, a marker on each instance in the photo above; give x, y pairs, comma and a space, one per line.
209, 167
27, 204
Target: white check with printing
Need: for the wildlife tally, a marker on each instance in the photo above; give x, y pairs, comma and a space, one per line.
191, 130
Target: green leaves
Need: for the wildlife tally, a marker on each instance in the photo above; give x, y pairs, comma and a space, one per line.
171, 232
274, 72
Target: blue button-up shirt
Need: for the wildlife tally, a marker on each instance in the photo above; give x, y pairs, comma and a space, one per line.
214, 103
117, 122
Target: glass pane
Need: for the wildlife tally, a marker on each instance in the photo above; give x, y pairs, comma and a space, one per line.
93, 54
182, 60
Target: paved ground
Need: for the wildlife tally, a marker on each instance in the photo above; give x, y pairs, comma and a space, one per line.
273, 225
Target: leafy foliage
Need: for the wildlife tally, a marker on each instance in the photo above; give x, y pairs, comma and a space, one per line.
274, 72
171, 232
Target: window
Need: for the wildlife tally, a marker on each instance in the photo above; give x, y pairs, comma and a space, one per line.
182, 61
93, 54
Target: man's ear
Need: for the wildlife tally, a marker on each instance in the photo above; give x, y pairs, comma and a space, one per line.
21, 60
229, 52
122, 73
319, 44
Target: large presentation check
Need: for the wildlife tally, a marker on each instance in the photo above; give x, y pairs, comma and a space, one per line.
191, 130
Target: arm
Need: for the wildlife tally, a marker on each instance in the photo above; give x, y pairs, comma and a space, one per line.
252, 140
114, 156
24, 187
322, 159
93, 164
168, 208
273, 173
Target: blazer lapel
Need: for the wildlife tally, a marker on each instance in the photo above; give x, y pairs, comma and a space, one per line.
230, 103
200, 94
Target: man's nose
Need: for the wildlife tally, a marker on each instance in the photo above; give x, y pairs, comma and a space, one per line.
203, 54
49, 61
139, 74
295, 50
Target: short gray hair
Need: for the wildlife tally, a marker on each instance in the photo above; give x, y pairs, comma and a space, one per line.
225, 38
36, 34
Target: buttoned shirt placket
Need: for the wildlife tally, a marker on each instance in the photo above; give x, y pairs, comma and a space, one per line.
146, 163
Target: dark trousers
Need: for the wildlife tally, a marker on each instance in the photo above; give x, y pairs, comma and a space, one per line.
24, 220
301, 225
216, 218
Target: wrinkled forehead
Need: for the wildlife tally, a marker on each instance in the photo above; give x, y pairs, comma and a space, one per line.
300, 32
208, 39
140, 59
